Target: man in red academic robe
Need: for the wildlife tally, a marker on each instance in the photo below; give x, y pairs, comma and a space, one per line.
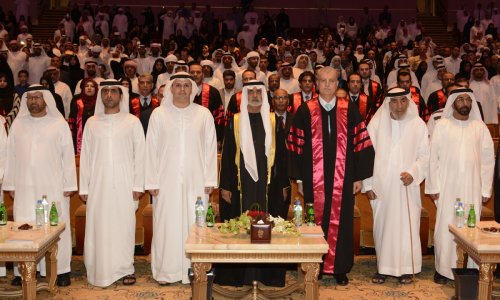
372, 89
307, 91
209, 97
437, 99
331, 153
404, 82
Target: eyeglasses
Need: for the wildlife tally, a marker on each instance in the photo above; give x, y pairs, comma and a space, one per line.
280, 97
36, 98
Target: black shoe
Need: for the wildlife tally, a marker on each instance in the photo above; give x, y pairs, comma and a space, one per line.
341, 279
440, 279
63, 279
17, 281
379, 278
405, 279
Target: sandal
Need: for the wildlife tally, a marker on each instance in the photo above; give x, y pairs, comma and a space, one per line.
129, 279
163, 283
405, 279
379, 278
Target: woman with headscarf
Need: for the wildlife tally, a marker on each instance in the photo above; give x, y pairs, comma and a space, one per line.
158, 68
467, 28
465, 67
81, 109
9, 100
126, 82
336, 64
72, 73
47, 82
421, 69
302, 64
7, 97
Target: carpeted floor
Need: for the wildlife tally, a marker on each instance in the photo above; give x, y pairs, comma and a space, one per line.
360, 286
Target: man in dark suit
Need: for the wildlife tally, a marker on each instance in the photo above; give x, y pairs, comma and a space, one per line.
273, 83
279, 188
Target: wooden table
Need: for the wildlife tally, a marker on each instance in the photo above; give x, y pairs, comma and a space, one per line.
207, 245
27, 248
483, 248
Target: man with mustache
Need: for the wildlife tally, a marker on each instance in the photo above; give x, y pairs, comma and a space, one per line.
181, 165
461, 166
41, 161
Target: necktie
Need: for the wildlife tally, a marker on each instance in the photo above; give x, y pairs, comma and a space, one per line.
281, 123
307, 97
328, 106
144, 101
354, 98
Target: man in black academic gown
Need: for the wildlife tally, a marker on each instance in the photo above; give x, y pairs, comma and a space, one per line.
248, 156
330, 173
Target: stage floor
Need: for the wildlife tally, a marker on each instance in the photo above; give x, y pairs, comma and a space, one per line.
360, 286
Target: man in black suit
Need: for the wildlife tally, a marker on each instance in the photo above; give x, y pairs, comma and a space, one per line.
279, 188
273, 83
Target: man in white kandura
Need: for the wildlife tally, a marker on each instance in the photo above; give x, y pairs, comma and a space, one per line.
181, 165
399, 137
41, 161
461, 166
111, 183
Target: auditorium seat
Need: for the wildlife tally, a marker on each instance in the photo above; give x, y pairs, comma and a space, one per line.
80, 220
493, 130
357, 229
147, 221
487, 214
424, 230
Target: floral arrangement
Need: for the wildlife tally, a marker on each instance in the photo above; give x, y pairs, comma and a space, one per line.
243, 222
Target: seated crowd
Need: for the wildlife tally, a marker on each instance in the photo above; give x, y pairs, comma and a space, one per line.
101, 62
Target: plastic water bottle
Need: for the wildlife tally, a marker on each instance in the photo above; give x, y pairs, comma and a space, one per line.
200, 213
39, 213
46, 209
459, 214
297, 213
